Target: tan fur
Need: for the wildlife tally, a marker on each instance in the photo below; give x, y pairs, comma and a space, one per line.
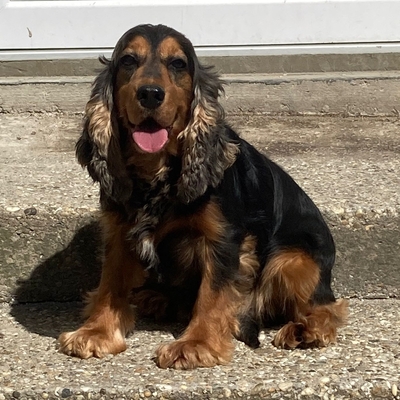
207, 227
204, 116
314, 326
286, 287
248, 264
290, 276
169, 47
108, 311
138, 45
207, 341
100, 128
208, 222
173, 113
153, 303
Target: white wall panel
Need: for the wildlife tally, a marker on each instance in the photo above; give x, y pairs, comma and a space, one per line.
46, 29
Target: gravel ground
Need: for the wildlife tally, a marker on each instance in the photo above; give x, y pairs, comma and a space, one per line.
364, 364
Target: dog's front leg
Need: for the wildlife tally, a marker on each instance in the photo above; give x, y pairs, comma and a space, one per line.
109, 316
207, 341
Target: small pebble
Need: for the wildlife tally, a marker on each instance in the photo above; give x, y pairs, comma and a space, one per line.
227, 392
12, 209
285, 386
65, 393
394, 390
307, 391
339, 210
30, 211
359, 213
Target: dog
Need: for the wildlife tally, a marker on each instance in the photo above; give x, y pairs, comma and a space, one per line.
197, 222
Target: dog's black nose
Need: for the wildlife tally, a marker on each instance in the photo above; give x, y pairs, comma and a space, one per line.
150, 96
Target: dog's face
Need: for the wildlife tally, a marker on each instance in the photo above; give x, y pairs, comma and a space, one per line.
154, 89
152, 100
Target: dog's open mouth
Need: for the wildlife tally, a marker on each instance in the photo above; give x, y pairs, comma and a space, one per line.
150, 136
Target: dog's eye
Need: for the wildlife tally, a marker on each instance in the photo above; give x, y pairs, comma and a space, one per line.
128, 60
178, 63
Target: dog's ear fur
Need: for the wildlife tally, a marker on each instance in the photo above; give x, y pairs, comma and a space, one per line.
98, 147
207, 153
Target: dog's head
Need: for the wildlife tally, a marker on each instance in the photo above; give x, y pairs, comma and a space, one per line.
154, 100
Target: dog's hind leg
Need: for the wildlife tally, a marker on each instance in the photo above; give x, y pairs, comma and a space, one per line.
286, 288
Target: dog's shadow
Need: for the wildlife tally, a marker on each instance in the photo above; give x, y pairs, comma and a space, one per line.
50, 301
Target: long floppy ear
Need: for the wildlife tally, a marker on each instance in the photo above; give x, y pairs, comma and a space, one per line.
207, 152
98, 147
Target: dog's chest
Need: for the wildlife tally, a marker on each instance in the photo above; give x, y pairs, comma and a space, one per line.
153, 210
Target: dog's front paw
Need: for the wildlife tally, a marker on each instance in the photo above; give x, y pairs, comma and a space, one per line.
190, 354
90, 342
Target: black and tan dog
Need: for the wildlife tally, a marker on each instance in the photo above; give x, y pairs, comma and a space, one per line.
195, 219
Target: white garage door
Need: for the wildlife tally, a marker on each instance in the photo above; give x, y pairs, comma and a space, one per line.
82, 29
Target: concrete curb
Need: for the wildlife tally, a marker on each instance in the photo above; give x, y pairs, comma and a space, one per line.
250, 64
58, 258
344, 94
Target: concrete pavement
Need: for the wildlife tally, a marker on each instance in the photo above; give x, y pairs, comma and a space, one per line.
364, 364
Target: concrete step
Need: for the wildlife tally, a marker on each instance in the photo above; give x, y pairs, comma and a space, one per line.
49, 238
364, 364
366, 93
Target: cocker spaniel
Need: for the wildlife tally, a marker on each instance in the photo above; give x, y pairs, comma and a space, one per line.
197, 223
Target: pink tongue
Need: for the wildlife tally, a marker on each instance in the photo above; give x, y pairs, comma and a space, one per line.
151, 142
